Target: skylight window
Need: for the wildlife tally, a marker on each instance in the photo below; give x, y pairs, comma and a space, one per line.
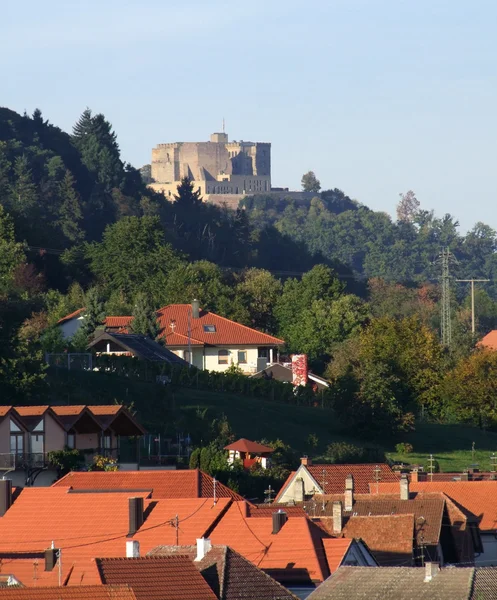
209, 328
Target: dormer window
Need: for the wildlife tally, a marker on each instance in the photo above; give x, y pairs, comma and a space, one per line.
209, 329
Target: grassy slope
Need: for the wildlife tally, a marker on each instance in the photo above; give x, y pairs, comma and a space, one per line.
256, 418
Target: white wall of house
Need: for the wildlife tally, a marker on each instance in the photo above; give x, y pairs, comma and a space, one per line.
488, 558
207, 357
70, 327
293, 490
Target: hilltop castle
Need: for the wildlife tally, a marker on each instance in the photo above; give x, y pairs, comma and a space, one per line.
217, 167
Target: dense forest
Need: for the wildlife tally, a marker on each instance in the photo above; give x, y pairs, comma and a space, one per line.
355, 290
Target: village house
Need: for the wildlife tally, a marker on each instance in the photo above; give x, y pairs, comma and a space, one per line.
310, 479
405, 583
202, 338
477, 500
29, 433
397, 528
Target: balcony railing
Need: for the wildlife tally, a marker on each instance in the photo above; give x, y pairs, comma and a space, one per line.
15, 460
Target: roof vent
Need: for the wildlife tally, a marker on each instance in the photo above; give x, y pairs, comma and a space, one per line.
195, 309
431, 570
279, 519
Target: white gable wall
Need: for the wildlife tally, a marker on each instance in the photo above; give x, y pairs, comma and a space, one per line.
291, 493
70, 327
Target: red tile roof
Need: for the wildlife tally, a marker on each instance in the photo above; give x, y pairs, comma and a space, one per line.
244, 445
295, 549
4, 410
230, 575
65, 411
31, 411
489, 341
94, 592
85, 525
118, 321
363, 474
163, 484
227, 332
335, 551
70, 316
477, 497
389, 537
172, 577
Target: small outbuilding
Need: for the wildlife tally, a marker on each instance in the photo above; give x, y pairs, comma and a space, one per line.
250, 453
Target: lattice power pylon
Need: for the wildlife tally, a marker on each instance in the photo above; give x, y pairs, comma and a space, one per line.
446, 258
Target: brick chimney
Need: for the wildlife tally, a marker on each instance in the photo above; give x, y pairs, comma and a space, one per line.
431, 570
306, 461
203, 547
135, 515
5, 495
404, 487
349, 493
414, 476
337, 517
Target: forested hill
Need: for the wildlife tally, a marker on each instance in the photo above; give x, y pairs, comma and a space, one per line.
63, 190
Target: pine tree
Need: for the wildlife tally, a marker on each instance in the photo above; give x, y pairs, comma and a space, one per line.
83, 127
23, 192
70, 215
94, 312
144, 317
187, 197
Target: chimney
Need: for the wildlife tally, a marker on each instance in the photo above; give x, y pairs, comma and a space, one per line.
203, 547
299, 490
5, 495
135, 515
431, 570
337, 517
349, 493
50, 558
404, 488
132, 549
279, 519
195, 309
465, 476
414, 476
306, 461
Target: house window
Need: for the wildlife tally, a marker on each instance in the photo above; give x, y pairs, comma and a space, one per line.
223, 357
16, 439
242, 357
37, 443
71, 441
107, 442
209, 328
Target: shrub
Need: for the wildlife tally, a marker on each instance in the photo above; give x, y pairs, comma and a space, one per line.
103, 463
342, 452
65, 460
403, 448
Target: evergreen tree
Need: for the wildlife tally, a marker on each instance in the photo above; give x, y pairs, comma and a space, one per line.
70, 215
23, 191
310, 183
186, 196
144, 317
93, 314
11, 252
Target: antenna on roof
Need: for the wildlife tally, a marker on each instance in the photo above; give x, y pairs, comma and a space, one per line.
59, 556
223, 126
431, 461
323, 487
493, 460
176, 525
268, 493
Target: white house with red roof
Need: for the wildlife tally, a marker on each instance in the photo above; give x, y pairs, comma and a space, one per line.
202, 338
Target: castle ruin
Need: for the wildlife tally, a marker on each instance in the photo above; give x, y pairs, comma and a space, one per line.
217, 167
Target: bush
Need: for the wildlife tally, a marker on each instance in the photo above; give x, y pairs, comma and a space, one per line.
103, 463
403, 448
342, 453
65, 460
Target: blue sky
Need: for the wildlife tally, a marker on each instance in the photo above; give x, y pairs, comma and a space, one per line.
376, 96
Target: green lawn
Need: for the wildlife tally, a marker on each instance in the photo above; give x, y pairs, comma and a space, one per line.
255, 418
